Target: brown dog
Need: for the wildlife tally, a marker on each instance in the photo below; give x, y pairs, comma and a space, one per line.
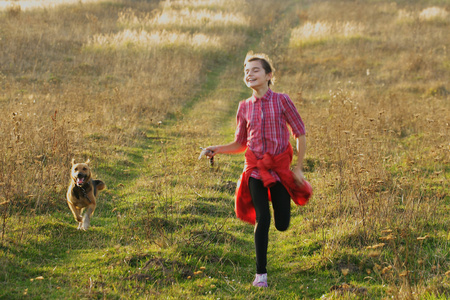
82, 193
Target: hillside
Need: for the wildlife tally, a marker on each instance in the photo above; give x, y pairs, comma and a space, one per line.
138, 87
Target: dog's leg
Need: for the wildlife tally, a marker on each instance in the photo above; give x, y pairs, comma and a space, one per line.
99, 185
75, 211
87, 216
80, 219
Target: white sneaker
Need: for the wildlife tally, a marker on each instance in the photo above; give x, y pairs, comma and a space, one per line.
260, 280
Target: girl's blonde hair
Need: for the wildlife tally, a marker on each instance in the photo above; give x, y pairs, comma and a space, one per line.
265, 61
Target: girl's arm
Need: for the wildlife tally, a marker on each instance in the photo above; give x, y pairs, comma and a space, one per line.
301, 150
233, 147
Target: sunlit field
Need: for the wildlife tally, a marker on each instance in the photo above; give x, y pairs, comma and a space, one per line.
138, 87
15, 5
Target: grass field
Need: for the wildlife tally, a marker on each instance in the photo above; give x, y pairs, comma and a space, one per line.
138, 86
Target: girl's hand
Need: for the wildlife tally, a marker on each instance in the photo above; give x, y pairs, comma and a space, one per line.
298, 176
211, 151
209, 154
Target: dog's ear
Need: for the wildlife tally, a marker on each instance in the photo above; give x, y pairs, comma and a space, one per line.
88, 161
73, 161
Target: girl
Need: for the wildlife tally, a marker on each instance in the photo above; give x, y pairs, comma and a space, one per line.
262, 129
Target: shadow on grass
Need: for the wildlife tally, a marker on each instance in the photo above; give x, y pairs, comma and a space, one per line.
51, 243
212, 207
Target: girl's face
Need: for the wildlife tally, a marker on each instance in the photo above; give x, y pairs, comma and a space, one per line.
255, 76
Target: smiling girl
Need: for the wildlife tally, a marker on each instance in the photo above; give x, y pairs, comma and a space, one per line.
263, 123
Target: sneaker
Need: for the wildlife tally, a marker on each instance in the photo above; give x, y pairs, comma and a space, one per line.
260, 280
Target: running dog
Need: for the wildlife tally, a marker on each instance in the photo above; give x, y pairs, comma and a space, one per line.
82, 193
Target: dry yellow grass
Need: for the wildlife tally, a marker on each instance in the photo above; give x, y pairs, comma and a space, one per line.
128, 39
377, 113
323, 31
183, 18
434, 14
429, 14
33, 4
211, 4
77, 91
363, 121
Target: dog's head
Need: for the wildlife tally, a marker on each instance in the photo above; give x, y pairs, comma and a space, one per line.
80, 173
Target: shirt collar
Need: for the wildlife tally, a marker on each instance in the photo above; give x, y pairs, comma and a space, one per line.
267, 96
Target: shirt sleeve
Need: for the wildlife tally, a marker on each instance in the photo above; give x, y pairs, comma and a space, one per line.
241, 125
293, 117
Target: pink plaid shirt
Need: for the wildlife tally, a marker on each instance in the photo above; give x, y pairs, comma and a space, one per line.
262, 124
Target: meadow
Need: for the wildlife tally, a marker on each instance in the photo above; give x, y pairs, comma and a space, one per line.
138, 87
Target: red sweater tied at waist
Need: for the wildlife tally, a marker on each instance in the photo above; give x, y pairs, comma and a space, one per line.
279, 164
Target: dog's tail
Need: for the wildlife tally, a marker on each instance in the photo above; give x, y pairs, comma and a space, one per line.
99, 185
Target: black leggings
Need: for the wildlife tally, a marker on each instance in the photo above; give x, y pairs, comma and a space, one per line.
281, 203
